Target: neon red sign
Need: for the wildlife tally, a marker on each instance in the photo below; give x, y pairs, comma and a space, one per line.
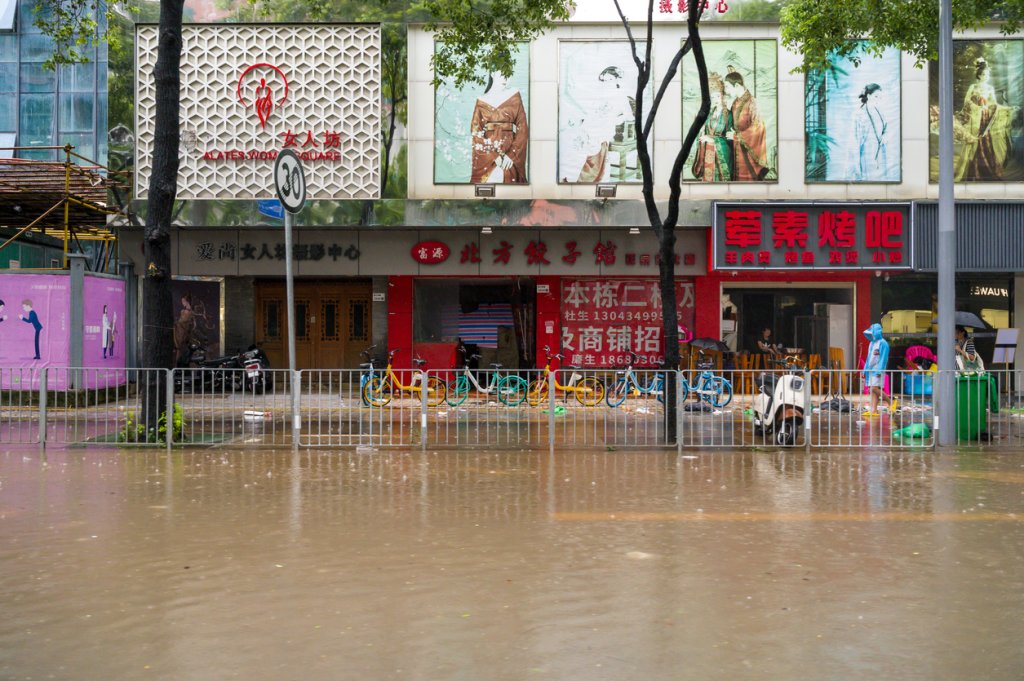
430, 252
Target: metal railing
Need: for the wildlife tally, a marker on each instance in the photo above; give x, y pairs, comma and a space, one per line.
587, 409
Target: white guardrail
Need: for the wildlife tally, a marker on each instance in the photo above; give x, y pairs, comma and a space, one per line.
572, 408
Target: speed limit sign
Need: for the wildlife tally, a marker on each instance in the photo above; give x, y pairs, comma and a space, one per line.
290, 181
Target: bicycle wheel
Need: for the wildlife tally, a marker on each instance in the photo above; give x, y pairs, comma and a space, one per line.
722, 394
589, 392
617, 395
436, 391
377, 392
511, 390
458, 391
537, 393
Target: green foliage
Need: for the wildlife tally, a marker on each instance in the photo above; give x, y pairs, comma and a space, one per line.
823, 30
481, 37
135, 432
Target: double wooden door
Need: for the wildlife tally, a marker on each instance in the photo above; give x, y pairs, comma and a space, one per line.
332, 322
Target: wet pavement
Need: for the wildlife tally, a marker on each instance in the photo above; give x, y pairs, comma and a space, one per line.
269, 564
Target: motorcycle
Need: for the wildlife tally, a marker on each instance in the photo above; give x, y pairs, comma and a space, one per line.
244, 370
779, 405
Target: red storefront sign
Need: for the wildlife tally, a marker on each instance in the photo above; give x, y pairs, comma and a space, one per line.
813, 236
430, 252
602, 320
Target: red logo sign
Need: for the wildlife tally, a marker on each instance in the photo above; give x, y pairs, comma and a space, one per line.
271, 79
430, 252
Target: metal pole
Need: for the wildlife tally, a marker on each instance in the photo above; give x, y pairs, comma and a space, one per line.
290, 295
42, 408
169, 413
945, 407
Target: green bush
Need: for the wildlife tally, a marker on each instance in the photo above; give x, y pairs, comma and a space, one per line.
135, 432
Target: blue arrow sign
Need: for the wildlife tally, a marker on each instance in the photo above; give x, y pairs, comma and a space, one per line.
271, 208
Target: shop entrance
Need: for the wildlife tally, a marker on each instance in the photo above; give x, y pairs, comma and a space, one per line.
806, 320
332, 322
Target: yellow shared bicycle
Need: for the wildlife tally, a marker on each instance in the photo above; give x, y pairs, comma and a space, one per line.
378, 390
589, 391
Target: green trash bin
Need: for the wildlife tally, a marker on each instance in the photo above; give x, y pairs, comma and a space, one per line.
971, 400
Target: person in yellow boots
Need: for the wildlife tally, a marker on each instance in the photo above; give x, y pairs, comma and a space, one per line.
874, 369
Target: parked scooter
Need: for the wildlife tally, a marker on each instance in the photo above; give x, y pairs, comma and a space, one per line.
256, 364
245, 370
779, 404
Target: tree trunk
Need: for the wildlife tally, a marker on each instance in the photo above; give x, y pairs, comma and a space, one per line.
157, 331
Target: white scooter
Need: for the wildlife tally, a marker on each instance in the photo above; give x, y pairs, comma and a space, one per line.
779, 404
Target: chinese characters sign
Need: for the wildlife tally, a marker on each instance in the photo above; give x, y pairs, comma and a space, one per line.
805, 236
603, 319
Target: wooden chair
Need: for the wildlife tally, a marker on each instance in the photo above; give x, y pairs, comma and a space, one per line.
837, 363
814, 366
745, 373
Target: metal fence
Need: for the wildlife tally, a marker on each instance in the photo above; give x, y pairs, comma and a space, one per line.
584, 409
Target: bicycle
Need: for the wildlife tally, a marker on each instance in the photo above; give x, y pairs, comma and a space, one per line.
715, 390
589, 391
378, 390
627, 382
511, 389
367, 371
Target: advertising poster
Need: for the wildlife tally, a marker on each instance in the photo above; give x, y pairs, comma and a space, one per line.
603, 319
34, 326
196, 315
103, 337
739, 142
481, 132
596, 105
988, 97
852, 119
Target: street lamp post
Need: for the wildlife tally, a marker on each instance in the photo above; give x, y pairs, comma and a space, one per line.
945, 418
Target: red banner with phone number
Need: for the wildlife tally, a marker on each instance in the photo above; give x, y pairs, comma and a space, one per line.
603, 319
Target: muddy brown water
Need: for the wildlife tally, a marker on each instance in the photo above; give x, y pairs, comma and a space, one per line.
225, 564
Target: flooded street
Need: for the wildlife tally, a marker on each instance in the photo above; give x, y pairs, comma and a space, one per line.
224, 564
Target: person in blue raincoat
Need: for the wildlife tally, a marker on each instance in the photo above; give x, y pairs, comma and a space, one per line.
875, 366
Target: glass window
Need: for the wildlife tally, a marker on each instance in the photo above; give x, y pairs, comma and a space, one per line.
9, 47
271, 319
7, 140
7, 14
76, 111
35, 48
434, 304
34, 78
77, 77
8, 77
8, 112
82, 143
37, 154
36, 120
27, 16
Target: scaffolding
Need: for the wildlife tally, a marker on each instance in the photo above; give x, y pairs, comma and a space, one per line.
67, 200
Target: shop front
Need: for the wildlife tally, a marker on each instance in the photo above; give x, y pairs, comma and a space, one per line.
589, 294
803, 271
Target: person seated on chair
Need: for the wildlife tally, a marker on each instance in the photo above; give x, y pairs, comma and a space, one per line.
766, 344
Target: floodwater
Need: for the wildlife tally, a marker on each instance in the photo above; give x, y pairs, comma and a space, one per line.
228, 564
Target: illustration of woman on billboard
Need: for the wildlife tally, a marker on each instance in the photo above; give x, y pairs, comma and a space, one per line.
500, 135
871, 137
713, 162
987, 126
105, 336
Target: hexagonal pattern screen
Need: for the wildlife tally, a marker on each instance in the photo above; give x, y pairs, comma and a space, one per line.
248, 91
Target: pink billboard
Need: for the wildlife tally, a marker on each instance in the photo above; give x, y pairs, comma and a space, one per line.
103, 339
34, 321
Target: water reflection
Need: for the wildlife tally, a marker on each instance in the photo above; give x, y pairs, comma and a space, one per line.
509, 565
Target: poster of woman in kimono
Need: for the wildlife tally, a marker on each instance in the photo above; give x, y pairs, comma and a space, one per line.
988, 96
748, 71
481, 132
596, 105
852, 118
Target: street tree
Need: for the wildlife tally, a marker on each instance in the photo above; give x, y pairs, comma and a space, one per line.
480, 38
73, 24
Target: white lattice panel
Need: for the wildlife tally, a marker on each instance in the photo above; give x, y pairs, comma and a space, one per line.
333, 78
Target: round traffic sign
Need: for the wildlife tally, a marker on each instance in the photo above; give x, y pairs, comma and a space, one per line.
290, 181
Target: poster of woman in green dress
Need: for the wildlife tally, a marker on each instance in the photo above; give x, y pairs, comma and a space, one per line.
481, 132
739, 142
988, 96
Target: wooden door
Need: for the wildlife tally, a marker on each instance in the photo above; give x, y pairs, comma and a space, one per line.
332, 323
